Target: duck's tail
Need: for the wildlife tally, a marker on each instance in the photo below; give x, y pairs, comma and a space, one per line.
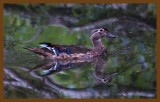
40, 51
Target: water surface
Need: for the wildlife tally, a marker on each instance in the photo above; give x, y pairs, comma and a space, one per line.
127, 72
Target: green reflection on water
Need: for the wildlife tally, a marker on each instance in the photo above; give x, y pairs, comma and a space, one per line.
132, 56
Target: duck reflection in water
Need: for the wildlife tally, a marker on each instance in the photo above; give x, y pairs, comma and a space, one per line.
99, 73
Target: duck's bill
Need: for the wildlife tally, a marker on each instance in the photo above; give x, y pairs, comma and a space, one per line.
110, 35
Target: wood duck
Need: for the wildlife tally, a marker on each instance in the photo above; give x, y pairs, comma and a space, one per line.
53, 51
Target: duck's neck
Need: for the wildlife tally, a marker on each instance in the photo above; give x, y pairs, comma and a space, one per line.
98, 47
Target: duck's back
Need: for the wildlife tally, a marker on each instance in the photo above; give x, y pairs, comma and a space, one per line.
48, 49
68, 49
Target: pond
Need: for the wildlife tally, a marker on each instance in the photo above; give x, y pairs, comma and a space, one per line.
128, 70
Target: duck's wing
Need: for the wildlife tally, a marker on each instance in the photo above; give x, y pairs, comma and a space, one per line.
68, 49
48, 49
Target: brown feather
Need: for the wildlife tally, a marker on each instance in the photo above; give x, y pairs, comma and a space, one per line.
41, 51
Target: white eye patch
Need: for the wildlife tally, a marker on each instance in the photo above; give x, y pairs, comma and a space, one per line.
101, 30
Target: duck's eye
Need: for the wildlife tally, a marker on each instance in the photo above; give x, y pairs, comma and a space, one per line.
101, 30
105, 80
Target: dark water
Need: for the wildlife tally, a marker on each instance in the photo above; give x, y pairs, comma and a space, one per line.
128, 71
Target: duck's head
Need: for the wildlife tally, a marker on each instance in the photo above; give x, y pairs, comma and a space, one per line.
101, 33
